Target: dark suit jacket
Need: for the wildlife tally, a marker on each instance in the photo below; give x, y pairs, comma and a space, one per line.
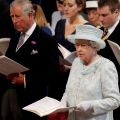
108, 53
43, 65
60, 37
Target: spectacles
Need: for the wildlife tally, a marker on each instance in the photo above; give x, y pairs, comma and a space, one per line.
81, 45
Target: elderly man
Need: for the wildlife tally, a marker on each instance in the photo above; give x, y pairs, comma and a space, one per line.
38, 52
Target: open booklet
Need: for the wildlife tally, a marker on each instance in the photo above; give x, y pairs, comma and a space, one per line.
9, 66
68, 56
46, 106
116, 49
4, 43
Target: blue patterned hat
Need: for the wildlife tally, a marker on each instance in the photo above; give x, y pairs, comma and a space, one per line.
88, 32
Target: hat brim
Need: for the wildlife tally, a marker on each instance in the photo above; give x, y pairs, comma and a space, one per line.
91, 4
99, 41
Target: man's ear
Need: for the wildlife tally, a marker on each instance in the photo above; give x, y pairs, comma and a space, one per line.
116, 11
30, 14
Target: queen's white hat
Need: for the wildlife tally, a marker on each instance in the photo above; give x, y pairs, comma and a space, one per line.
92, 4
88, 32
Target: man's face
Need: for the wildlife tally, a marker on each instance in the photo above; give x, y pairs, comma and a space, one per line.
20, 20
107, 17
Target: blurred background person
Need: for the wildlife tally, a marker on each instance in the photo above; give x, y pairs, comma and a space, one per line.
92, 85
109, 11
57, 15
65, 27
92, 13
40, 19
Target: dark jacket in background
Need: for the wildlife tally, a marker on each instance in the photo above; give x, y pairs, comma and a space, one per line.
6, 26
108, 53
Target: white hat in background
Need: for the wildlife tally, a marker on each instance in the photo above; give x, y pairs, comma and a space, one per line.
88, 32
92, 4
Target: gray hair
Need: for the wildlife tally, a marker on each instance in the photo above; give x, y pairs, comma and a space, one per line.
94, 45
26, 5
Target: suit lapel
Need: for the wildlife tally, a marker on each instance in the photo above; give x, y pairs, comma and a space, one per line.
29, 42
115, 35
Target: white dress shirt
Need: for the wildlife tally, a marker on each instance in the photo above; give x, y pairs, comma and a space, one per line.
28, 34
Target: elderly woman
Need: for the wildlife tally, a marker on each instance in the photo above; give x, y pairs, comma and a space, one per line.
92, 86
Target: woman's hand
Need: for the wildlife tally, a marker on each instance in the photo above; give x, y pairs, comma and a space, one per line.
85, 106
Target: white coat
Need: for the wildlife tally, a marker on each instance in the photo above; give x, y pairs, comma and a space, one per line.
97, 84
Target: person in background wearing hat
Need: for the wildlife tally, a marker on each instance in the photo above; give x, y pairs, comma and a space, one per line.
109, 11
93, 16
92, 86
57, 15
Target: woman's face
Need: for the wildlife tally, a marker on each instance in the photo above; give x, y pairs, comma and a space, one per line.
93, 16
60, 6
71, 9
85, 51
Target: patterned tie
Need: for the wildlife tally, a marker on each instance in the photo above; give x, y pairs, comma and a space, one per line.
104, 37
21, 41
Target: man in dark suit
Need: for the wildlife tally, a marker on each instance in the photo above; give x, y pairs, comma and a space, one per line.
38, 52
109, 17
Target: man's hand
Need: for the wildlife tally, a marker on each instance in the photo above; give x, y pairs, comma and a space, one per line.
16, 78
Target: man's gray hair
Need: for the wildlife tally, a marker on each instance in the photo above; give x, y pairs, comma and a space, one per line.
26, 5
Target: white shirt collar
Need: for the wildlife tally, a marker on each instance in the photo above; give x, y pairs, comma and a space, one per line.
28, 33
111, 29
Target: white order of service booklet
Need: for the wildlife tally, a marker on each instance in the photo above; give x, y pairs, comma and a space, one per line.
68, 56
116, 49
46, 106
4, 43
7, 65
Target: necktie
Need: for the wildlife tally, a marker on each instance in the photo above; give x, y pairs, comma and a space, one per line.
21, 40
104, 37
